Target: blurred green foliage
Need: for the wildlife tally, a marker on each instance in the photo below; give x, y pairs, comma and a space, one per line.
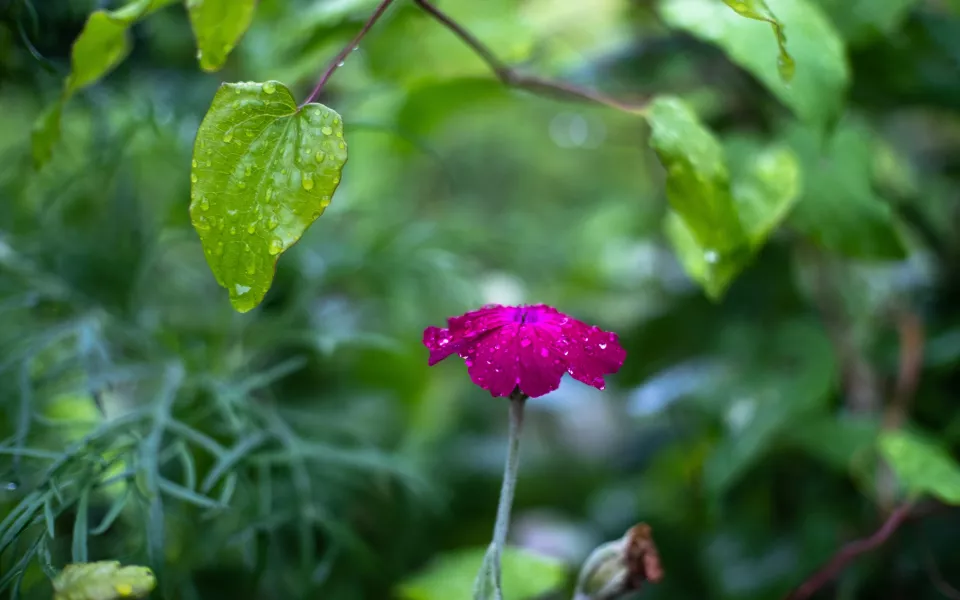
304, 449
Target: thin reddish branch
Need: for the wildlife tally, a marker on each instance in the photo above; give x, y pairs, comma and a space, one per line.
851, 551
531, 83
504, 73
340, 58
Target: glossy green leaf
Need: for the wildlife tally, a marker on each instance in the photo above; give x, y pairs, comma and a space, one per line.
716, 226
922, 466
263, 171
525, 575
817, 89
763, 195
218, 26
759, 11
105, 580
698, 183
839, 208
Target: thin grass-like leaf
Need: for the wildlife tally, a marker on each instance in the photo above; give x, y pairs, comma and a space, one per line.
49, 517
231, 458
269, 376
149, 455
189, 496
30, 453
16, 572
189, 469
115, 509
18, 518
201, 439
78, 549
44, 558
26, 401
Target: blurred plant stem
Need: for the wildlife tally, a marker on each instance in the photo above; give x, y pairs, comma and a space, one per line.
490, 569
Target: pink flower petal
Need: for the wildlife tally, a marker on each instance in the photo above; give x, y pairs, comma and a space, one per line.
463, 331
541, 362
493, 362
591, 352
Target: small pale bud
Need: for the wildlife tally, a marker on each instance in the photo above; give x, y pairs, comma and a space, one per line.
620, 567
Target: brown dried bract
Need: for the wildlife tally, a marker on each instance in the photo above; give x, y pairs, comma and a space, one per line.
641, 557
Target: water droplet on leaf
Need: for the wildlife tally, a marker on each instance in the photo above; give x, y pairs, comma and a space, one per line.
193, 177
268, 87
326, 130
228, 137
275, 246
307, 183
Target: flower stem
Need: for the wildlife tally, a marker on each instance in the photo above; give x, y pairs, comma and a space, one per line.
491, 561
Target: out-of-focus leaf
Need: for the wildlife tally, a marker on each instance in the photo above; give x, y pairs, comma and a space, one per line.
763, 196
525, 575
860, 20
922, 466
105, 580
816, 91
759, 11
839, 208
46, 133
263, 171
716, 227
102, 44
218, 25
851, 438
698, 183
787, 382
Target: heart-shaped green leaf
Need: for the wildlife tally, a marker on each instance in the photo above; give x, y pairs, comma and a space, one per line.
218, 25
263, 171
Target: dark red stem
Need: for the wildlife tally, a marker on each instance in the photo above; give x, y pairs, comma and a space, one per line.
504, 73
851, 551
340, 58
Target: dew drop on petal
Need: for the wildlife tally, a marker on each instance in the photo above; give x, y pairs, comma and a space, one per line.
544, 352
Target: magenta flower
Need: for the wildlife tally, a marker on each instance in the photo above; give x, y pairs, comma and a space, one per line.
527, 346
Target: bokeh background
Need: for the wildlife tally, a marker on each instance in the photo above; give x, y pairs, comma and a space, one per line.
305, 449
